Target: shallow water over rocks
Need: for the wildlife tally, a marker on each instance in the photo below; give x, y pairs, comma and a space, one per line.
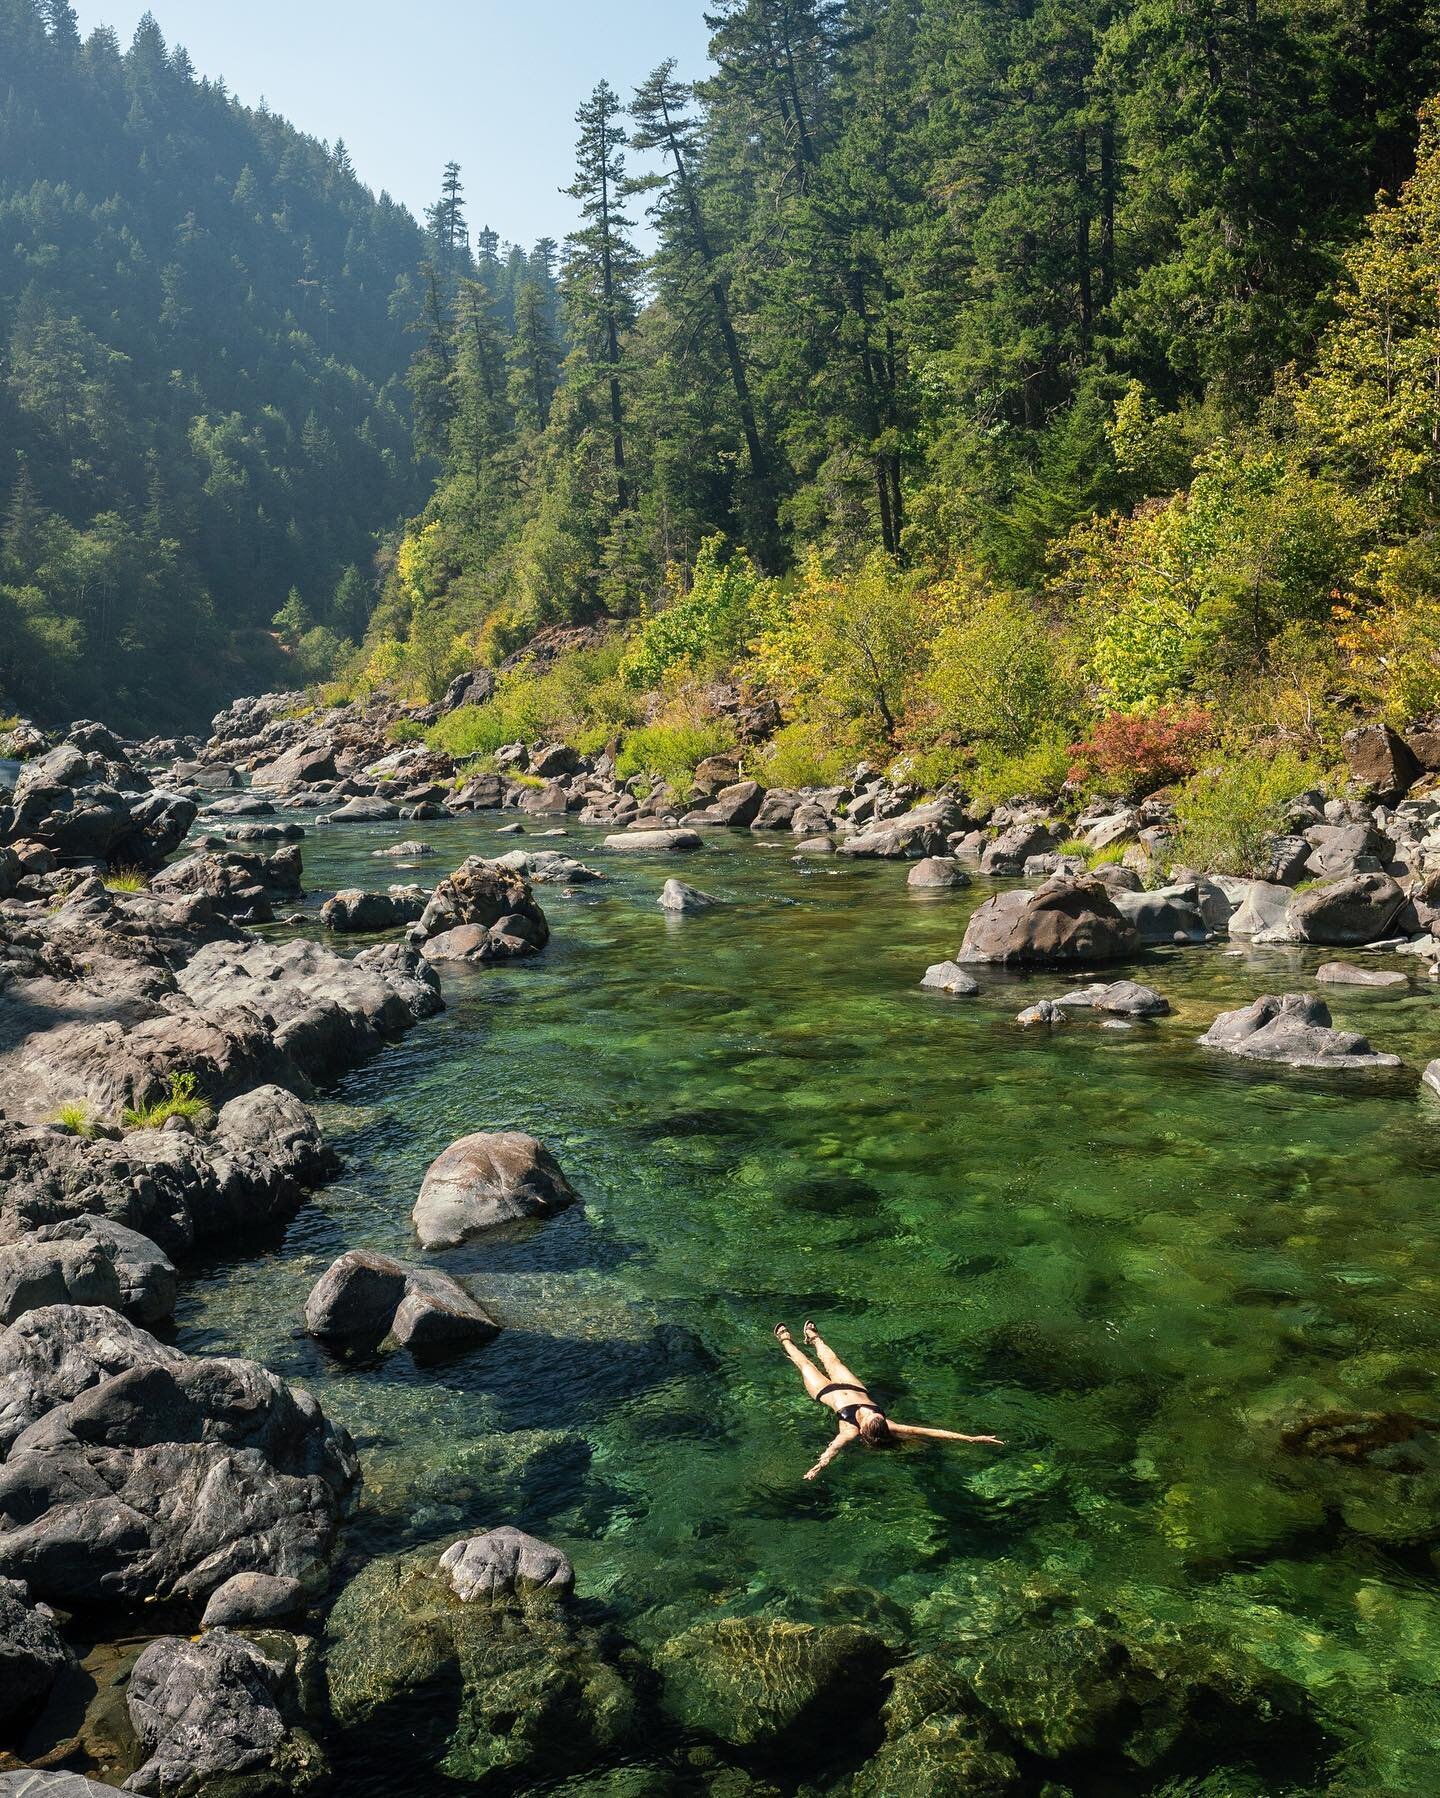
1197, 1298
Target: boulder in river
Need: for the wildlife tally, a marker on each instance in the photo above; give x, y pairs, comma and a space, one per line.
486, 896
239, 886
1165, 914
366, 809
226, 1713
676, 896
301, 766
144, 1273
1296, 1029
924, 831
1345, 973
653, 842
1118, 998
1359, 908
354, 912
1063, 922
950, 977
252, 1600
32, 1657
489, 1178
937, 872
506, 1563
364, 1297
137, 1473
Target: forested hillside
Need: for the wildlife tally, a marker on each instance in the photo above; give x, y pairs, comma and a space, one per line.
1003, 372
203, 334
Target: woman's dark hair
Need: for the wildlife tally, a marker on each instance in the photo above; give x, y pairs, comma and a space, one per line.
874, 1428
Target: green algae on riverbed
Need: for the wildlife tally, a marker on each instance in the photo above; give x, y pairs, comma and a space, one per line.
1140, 1263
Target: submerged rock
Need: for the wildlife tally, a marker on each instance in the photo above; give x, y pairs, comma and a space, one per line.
1344, 973
490, 1178
1295, 1029
507, 1690
225, 1708
764, 1682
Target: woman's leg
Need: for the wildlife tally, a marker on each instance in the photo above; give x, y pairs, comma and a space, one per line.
809, 1372
834, 1367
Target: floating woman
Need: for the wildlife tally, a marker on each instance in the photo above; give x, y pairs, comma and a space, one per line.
860, 1418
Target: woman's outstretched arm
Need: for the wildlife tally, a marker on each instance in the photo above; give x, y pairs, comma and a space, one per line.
842, 1440
915, 1429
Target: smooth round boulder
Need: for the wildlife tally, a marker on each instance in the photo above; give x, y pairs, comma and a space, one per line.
1064, 921
489, 1178
504, 1563
950, 977
250, 1599
935, 873
654, 842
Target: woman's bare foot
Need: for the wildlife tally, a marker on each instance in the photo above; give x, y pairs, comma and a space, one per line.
810, 1331
782, 1332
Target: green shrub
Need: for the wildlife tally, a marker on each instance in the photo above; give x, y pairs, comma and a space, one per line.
579, 699
1227, 814
126, 880
712, 623
673, 751
1038, 772
405, 730
802, 755
183, 1100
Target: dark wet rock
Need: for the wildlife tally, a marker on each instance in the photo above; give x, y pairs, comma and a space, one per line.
1361, 908
84, 800
513, 1691
1354, 1436
301, 766
1295, 1029
177, 1190
475, 688
736, 805
491, 897
653, 842
248, 1600
237, 885
1344, 973
364, 1297
135, 1472
32, 1657
676, 896
764, 1682
262, 833
33, 1274
1064, 921
925, 831
356, 913
144, 1273
487, 1179
939, 1740
505, 1563
937, 871
1164, 914
1380, 760
226, 1714
950, 977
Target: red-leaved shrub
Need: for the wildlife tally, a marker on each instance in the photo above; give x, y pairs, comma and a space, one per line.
1130, 754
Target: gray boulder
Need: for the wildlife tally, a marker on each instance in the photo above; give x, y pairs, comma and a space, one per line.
505, 1563
223, 1709
1120, 998
1360, 908
653, 842
33, 1274
365, 1297
1260, 908
144, 1273
676, 896
950, 977
301, 766
925, 831
1296, 1029
490, 897
237, 885
1063, 922
1008, 854
136, 1473
937, 872
487, 1179
357, 913
736, 806
1344, 973
1164, 915
370, 809
250, 1600
32, 1657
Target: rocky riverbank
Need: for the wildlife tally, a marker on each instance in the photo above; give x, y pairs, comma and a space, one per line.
146, 1494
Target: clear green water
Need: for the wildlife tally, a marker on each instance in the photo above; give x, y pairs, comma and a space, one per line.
1132, 1259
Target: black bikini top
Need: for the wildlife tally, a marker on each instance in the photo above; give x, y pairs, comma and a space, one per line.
848, 1413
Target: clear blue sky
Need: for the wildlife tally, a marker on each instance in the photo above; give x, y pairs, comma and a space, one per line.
491, 84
